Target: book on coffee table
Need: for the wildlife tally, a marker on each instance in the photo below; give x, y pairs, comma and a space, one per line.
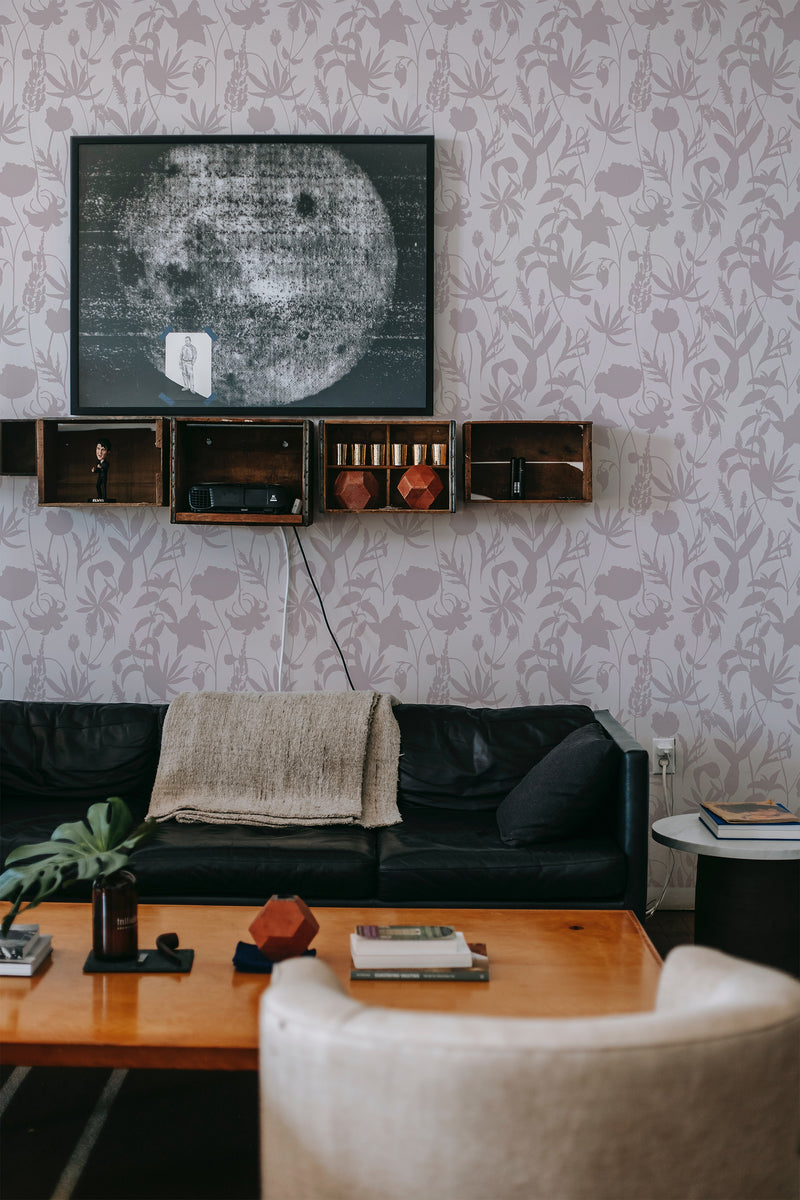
479, 972
31, 961
474, 971
406, 933
432, 974
19, 941
758, 819
410, 952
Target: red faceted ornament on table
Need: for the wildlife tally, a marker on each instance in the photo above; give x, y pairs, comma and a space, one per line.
284, 928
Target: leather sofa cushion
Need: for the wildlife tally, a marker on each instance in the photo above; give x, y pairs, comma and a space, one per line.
248, 863
464, 758
561, 792
84, 752
233, 864
441, 857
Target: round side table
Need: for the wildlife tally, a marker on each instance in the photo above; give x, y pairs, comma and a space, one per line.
747, 896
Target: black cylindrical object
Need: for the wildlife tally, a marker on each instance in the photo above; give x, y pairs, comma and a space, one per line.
517, 478
115, 917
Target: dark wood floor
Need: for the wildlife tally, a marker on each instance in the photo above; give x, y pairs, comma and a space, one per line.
667, 929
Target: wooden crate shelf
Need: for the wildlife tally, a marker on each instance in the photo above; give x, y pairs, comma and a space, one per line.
138, 460
557, 454
253, 452
17, 447
354, 486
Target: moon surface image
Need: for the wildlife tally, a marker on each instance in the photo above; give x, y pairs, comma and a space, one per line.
303, 264
286, 252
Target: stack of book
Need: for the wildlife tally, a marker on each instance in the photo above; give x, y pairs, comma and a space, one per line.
432, 952
758, 819
23, 950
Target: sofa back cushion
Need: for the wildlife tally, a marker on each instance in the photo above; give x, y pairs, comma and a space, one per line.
464, 758
84, 752
562, 792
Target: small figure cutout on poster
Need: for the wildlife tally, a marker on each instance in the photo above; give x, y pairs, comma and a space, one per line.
188, 357
187, 362
100, 469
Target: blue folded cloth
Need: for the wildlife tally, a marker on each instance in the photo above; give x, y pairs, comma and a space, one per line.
248, 957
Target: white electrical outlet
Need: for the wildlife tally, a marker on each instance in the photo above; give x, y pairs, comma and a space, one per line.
663, 746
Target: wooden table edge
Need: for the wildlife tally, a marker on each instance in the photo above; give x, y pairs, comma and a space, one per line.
38, 1052
201, 1058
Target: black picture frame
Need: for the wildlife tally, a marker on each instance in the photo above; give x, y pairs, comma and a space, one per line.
252, 276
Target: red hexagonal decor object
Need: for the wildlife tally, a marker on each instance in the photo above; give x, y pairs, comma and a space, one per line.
284, 928
419, 486
355, 489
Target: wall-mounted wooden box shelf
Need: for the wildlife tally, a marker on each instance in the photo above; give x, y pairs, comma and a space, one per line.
138, 460
246, 453
557, 455
361, 469
17, 447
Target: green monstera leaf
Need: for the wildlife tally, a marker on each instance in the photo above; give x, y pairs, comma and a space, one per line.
86, 849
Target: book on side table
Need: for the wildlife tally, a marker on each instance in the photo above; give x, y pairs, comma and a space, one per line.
758, 819
416, 952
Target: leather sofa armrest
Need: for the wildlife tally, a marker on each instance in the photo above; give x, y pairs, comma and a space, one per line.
633, 809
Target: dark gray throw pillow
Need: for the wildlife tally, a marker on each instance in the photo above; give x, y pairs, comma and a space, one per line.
561, 792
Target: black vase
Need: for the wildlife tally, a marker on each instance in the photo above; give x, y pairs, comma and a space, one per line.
115, 918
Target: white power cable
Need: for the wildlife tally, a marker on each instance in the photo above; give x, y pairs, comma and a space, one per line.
669, 804
285, 607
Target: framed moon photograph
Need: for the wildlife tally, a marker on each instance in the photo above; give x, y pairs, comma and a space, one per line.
252, 275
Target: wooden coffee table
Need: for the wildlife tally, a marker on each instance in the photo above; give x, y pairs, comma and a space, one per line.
544, 963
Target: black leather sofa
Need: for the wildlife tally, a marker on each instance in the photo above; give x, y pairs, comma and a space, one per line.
457, 764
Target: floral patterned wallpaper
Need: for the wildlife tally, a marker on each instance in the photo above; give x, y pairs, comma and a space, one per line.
617, 238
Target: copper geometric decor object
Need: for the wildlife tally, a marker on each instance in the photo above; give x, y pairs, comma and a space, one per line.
355, 489
284, 928
419, 486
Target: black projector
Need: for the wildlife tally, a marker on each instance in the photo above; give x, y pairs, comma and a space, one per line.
239, 498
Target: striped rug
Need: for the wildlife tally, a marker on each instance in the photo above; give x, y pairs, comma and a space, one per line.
69, 1133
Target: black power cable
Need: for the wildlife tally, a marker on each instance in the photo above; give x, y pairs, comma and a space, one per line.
322, 608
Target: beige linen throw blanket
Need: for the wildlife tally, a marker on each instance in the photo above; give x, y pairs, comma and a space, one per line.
287, 758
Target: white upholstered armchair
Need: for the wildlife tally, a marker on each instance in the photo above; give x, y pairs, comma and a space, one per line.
700, 1098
